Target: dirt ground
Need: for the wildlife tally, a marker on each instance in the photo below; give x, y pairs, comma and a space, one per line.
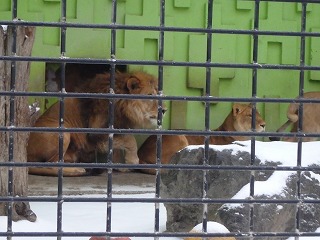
122, 183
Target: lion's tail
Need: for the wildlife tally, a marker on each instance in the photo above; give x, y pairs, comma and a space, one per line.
292, 112
284, 126
281, 129
292, 115
151, 171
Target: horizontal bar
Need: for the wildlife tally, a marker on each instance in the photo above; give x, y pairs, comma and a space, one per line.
159, 97
160, 234
159, 63
92, 199
117, 26
161, 166
157, 132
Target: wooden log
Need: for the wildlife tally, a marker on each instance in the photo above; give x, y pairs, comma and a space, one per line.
14, 112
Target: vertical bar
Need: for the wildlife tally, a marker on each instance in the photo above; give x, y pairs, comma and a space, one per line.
14, 9
207, 115
11, 121
254, 94
300, 121
111, 113
61, 120
160, 105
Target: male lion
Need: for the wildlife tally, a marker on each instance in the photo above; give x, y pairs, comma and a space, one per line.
239, 119
310, 121
93, 113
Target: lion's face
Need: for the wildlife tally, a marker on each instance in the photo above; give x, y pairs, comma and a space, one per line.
242, 115
142, 113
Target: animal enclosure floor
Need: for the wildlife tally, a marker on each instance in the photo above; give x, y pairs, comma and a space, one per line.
122, 183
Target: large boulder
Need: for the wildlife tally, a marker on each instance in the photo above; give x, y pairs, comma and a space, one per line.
189, 184
278, 217
226, 184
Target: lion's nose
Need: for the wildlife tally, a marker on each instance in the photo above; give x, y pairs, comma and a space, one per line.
164, 109
263, 125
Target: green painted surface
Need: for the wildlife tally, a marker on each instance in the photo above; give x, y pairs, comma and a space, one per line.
183, 81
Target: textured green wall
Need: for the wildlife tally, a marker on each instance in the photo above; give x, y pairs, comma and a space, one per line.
143, 45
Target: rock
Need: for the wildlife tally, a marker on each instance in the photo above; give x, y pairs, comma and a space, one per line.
278, 217
22, 211
181, 217
225, 184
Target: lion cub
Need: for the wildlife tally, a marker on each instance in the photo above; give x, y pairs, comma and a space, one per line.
310, 121
93, 113
239, 119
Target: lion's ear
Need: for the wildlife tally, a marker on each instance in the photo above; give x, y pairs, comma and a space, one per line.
133, 83
236, 109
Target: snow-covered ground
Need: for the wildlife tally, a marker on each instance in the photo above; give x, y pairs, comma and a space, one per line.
139, 217
91, 217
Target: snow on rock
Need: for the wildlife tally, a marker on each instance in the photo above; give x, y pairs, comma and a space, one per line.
4, 27
235, 184
222, 184
212, 227
282, 152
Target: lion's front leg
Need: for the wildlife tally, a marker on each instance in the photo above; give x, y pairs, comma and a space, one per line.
129, 144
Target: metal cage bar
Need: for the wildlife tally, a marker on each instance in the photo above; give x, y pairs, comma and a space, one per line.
300, 122
162, 29
161, 46
63, 39
209, 42
253, 120
12, 124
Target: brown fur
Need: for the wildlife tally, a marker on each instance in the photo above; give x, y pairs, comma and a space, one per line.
311, 118
239, 119
170, 145
93, 113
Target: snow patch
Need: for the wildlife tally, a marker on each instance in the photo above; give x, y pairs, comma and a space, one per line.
4, 27
212, 227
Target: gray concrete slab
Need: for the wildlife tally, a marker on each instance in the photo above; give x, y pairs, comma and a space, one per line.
122, 183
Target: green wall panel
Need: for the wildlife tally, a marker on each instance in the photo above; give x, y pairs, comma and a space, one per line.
223, 51
184, 46
182, 3
315, 55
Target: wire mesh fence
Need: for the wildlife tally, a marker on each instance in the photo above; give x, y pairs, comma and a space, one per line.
304, 36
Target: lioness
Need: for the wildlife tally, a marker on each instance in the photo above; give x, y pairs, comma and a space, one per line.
239, 119
93, 113
170, 145
310, 122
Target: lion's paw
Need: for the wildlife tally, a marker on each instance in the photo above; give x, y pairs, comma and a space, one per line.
74, 172
132, 159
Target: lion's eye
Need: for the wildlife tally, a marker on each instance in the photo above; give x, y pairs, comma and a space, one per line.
150, 94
